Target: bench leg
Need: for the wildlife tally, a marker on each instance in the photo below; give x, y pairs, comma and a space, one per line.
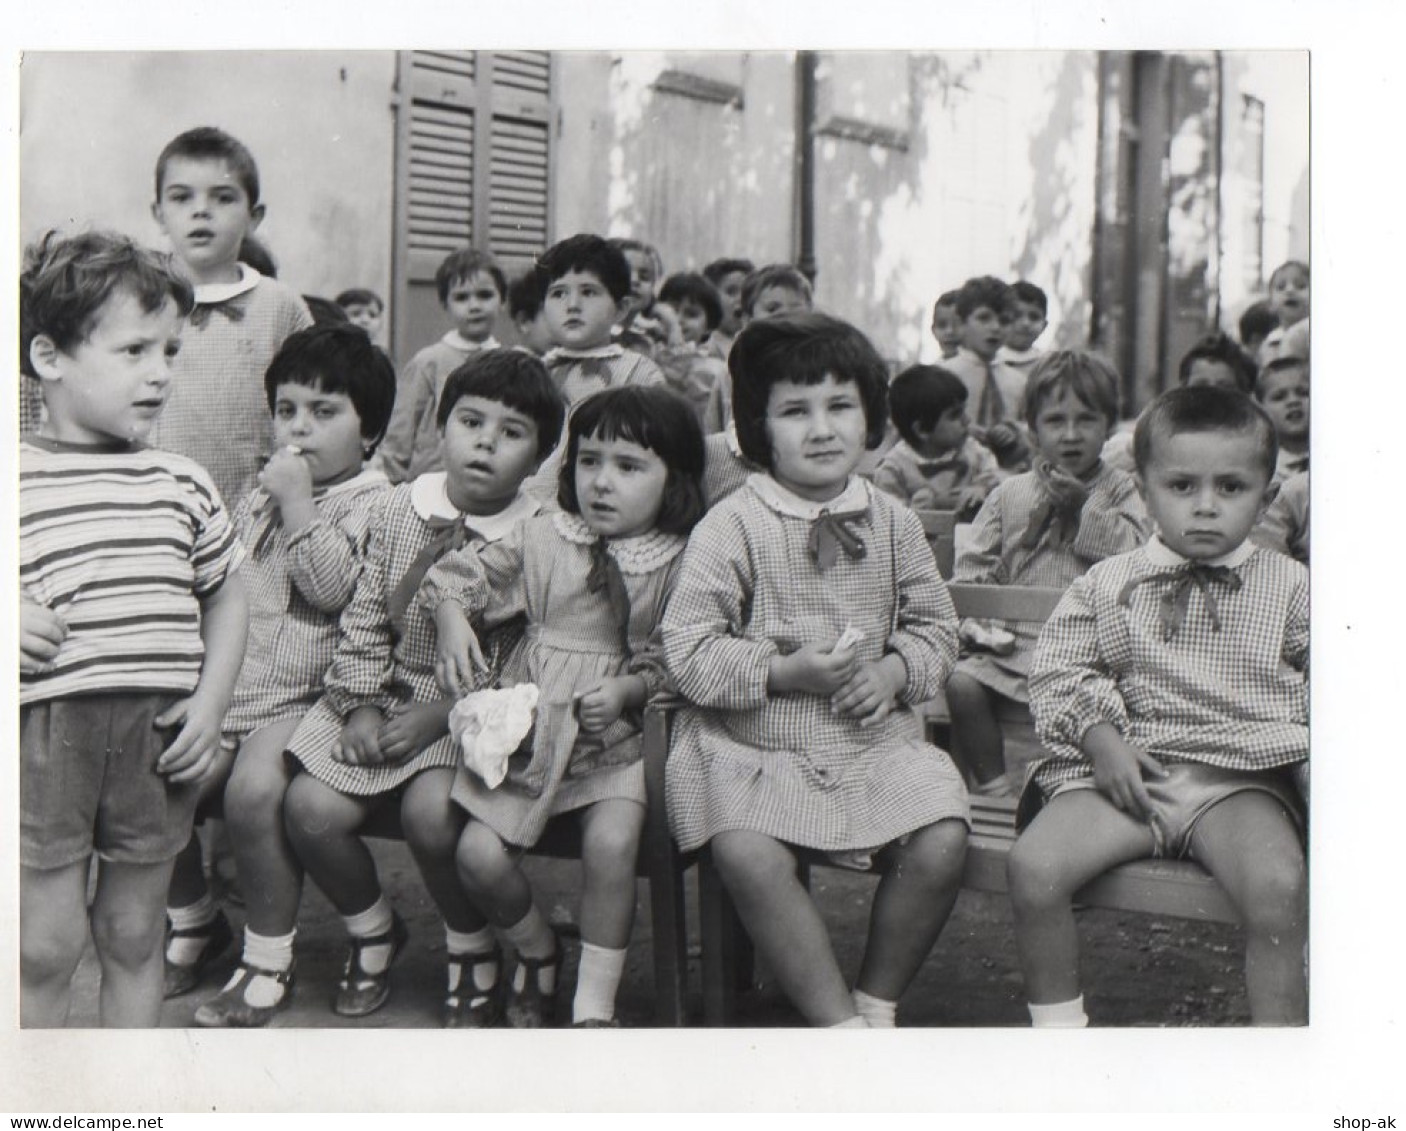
721, 933
666, 909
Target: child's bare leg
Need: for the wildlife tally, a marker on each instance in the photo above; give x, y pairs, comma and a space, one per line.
1077, 836
433, 825
978, 746
784, 923
53, 933
323, 827
911, 905
128, 930
489, 871
1250, 845
269, 870
610, 844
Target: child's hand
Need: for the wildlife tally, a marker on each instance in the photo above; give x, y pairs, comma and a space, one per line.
359, 744
1119, 769
601, 705
869, 694
970, 499
192, 753
670, 328
816, 669
286, 477
459, 658
41, 632
410, 727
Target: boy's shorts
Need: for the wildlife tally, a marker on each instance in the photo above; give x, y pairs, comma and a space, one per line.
88, 782
1189, 791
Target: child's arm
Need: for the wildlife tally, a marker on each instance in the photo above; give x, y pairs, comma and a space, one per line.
601, 705
1111, 522
1119, 770
224, 627
415, 387
459, 657
982, 479
980, 562
361, 665
42, 631
325, 559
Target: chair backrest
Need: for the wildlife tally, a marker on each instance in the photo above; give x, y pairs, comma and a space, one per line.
941, 529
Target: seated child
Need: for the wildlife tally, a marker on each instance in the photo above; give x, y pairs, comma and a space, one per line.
693, 366
728, 276
1288, 301
471, 288
995, 390
592, 580
1284, 526
644, 327
364, 308
1046, 528
807, 621
526, 310
1170, 692
132, 625
379, 735
773, 291
1027, 312
305, 527
947, 324
1282, 392
1256, 324
935, 464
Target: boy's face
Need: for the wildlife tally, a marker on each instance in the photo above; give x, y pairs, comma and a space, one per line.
324, 427
113, 384
367, 315
473, 304
205, 213
1283, 394
817, 435
580, 311
693, 321
1026, 323
642, 279
1205, 491
777, 302
1288, 295
1069, 433
983, 332
730, 287
488, 450
947, 329
947, 435
1209, 371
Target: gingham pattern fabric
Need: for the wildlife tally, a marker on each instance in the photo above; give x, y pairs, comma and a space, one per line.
902, 473
724, 469
786, 765
1113, 521
1237, 698
1284, 526
31, 414
576, 379
297, 586
377, 662
411, 445
217, 412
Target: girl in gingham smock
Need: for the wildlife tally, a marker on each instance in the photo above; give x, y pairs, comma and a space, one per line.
808, 620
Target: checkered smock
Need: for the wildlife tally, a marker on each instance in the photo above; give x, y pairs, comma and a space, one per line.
787, 766
1235, 698
579, 374
725, 469
1113, 521
574, 640
298, 586
378, 662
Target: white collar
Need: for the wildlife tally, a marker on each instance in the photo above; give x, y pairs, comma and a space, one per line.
561, 353
209, 293
854, 497
456, 340
1164, 557
644, 553
430, 499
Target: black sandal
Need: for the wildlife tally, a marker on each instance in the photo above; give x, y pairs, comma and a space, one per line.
466, 1006
361, 992
533, 1007
180, 978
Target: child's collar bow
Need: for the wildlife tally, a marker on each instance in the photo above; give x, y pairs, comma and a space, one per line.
1174, 602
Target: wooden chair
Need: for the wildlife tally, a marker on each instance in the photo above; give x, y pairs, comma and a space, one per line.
941, 529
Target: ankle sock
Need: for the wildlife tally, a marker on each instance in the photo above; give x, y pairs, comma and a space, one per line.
531, 936
879, 1013
202, 913
855, 1022
1059, 1015
462, 943
265, 952
597, 981
375, 920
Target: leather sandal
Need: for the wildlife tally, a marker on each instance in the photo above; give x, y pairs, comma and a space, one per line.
360, 991
466, 1006
532, 1007
231, 1009
180, 978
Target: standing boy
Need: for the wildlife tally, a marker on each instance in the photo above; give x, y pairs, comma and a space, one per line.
995, 391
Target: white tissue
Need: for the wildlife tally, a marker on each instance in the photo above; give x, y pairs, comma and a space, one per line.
848, 638
489, 725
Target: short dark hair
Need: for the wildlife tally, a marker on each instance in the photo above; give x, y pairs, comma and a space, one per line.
525, 294
1224, 349
67, 280
654, 418
920, 395
360, 296
983, 290
946, 298
325, 312
1091, 378
1205, 408
1257, 321
803, 349
464, 264
718, 270
690, 286
254, 253
1023, 291
337, 357
207, 143
513, 378
784, 275
591, 255
1278, 364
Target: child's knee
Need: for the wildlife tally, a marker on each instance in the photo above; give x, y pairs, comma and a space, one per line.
47, 955
254, 799
431, 825
1036, 878
127, 936
964, 693
614, 846
738, 862
936, 854
1276, 900
479, 854
306, 813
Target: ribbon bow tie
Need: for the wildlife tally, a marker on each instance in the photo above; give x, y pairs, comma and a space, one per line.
201, 314
605, 577
1173, 603
450, 534
927, 468
586, 366
831, 533
1059, 510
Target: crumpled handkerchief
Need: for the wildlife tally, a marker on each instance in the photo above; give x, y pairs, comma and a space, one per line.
489, 725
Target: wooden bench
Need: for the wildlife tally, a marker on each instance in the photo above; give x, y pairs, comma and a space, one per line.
941, 530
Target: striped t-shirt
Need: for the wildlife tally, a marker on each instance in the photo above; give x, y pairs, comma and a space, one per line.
122, 542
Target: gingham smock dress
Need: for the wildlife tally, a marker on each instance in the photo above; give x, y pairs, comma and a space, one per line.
787, 766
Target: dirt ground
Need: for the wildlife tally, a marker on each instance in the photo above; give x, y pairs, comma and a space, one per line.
1138, 970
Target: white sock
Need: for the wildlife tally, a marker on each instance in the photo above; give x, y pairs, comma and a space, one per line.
461, 943
855, 1022
597, 980
1059, 1015
531, 936
265, 952
201, 913
375, 920
879, 1013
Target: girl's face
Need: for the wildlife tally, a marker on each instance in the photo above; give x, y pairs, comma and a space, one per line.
777, 302
324, 428
579, 311
1288, 294
473, 304
619, 486
730, 285
817, 435
1070, 433
1284, 396
205, 212
643, 278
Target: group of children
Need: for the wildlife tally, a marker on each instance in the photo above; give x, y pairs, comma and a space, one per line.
443, 599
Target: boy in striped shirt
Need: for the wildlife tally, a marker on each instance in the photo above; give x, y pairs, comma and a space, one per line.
133, 622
